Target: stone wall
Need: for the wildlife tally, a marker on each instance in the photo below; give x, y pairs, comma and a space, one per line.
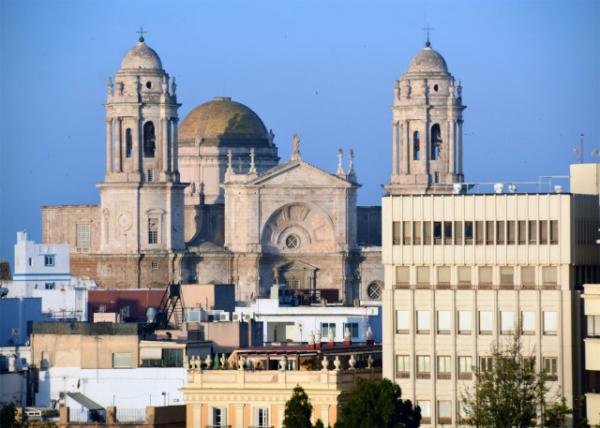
59, 225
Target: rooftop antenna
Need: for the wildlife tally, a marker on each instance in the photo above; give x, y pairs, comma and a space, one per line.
141, 32
578, 150
427, 29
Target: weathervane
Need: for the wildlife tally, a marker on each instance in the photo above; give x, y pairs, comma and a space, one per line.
427, 29
141, 32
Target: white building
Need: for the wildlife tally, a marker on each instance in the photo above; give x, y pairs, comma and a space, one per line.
43, 270
289, 323
463, 271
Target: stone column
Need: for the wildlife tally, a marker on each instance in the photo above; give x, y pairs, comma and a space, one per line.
136, 150
119, 146
406, 151
459, 146
174, 148
109, 146
425, 149
164, 145
395, 149
169, 144
450, 124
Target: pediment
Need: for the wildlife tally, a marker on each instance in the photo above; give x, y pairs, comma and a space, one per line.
294, 265
299, 173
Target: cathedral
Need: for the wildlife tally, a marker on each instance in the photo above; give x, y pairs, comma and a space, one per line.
209, 200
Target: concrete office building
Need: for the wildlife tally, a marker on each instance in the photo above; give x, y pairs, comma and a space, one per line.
464, 269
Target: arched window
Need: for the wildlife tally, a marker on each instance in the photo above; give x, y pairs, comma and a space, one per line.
149, 140
416, 146
436, 141
128, 143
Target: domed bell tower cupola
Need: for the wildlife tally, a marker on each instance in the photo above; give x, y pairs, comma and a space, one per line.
427, 128
141, 196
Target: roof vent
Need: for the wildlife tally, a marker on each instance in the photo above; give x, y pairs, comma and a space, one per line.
499, 187
512, 188
457, 188
558, 188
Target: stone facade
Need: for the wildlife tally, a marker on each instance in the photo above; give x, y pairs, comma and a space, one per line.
232, 215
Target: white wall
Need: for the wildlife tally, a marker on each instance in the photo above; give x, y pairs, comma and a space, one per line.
124, 388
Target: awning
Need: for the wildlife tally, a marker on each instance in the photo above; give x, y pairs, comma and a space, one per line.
85, 401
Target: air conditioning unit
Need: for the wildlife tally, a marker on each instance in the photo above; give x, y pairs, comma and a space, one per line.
247, 317
235, 317
224, 316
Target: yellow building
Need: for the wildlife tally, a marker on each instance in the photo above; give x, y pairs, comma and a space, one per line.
591, 298
255, 398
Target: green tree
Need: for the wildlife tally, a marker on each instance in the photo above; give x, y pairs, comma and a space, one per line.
512, 393
297, 410
378, 404
8, 416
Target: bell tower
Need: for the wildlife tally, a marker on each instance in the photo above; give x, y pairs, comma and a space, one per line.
426, 127
141, 196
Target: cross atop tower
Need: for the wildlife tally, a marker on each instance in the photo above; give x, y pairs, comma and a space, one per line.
141, 32
427, 29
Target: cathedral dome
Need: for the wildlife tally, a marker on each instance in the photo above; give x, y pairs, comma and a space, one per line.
141, 56
428, 61
223, 122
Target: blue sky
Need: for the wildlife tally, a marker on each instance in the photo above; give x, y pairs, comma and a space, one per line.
325, 69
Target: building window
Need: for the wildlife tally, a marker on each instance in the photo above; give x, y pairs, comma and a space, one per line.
128, 143
551, 368
402, 275
122, 360
423, 367
417, 232
49, 260
292, 241
327, 329
479, 233
527, 323
444, 367
448, 232
423, 322
593, 325
402, 322
416, 146
82, 236
464, 275
522, 235
486, 363
458, 233
510, 229
261, 417
437, 232
396, 232
402, 366
464, 322
528, 276
153, 230
549, 323
444, 322
500, 233
532, 229
352, 327
485, 276
485, 322
406, 233
154, 265
507, 276
436, 141
468, 232
150, 175
149, 140
444, 412
543, 231
374, 290
425, 407
50, 286
423, 275
444, 274
219, 417
427, 233
553, 232
489, 233
465, 367
30, 261
549, 275
507, 322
